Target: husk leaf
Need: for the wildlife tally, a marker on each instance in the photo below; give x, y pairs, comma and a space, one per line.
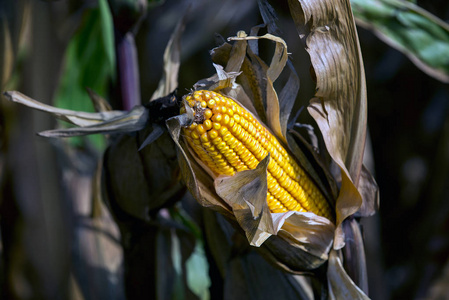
246, 193
242, 198
277, 64
339, 107
370, 194
199, 183
340, 285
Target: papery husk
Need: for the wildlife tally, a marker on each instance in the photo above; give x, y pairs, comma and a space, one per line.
296, 241
340, 285
246, 193
268, 75
304, 248
233, 57
245, 273
251, 92
340, 108
369, 191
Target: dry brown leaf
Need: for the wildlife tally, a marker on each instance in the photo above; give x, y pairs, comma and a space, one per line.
340, 284
277, 64
340, 108
172, 61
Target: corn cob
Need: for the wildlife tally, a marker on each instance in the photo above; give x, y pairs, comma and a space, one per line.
228, 139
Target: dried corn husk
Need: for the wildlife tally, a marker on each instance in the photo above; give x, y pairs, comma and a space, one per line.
293, 240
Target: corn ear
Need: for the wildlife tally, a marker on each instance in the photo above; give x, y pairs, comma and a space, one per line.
228, 139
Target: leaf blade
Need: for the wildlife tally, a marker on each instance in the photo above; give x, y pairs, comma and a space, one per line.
340, 107
403, 25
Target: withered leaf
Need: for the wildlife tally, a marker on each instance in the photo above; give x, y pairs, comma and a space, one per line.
246, 193
340, 284
89, 123
327, 28
172, 61
277, 64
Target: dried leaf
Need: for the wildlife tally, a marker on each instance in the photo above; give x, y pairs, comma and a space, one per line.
130, 121
277, 64
287, 98
89, 123
75, 117
340, 284
235, 61
314, 167
172, 61
339, 106
153, 136
312, 233
199, 183
220, 80
253, 81
269, 17
100, 104
246, 194
280, 55
304, 248
237, 55
370, 194
286, 255
254, 78
278, 109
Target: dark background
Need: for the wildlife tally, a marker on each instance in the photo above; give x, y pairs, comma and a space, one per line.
407, 241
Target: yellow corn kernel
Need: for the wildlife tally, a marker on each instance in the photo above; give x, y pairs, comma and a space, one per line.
229, 139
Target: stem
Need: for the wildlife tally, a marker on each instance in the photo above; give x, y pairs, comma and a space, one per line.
127, 70
354, 254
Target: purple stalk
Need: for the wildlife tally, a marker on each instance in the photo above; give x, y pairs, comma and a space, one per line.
127, 70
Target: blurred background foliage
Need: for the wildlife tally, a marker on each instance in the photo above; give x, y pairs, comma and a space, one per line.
59, 241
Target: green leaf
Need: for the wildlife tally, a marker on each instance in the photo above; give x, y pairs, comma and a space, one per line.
410, 29
197, 267
89, 62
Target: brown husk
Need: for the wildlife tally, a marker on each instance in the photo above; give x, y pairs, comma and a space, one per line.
294, 241
328, 30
